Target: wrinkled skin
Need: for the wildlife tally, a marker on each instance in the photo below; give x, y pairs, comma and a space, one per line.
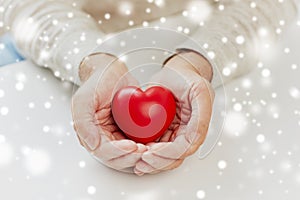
189, 128
98, 133
93, 122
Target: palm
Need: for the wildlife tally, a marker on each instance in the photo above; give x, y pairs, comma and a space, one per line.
102, 104
185, 87
92, 100
194, 97
177, 123
94, 123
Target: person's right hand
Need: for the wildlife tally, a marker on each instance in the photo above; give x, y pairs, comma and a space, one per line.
101, 75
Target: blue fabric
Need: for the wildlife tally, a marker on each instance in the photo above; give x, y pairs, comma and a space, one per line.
8, 51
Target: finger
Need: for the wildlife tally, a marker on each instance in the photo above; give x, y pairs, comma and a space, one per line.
118, 135
92, 96
143, 168
137, 172
89, 134
199, 93
125, 161
171, 150
82, 111
80, 141
167, 136
157, 162
142, 148
201, 98
83, 144
115, 149
128, 160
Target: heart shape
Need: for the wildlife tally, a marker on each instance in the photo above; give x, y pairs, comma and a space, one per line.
143, 116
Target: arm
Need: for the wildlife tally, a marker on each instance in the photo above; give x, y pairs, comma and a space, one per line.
53, 34
179, 143
57, 36
233, 38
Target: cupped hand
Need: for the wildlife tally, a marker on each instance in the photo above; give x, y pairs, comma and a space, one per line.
188, 76
101, 75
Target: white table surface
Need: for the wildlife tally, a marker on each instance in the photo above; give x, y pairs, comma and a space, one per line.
257, 157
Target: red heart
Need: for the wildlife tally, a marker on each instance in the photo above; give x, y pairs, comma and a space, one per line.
143, 116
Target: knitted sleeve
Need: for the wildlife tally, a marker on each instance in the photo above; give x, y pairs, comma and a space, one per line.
235, 35
52, 34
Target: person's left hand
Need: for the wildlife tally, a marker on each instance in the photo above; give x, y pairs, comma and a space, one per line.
194, 96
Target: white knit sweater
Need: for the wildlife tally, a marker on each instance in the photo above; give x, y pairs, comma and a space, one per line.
49, 32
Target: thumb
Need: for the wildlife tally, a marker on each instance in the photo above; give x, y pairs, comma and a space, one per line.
201, 97
84, 120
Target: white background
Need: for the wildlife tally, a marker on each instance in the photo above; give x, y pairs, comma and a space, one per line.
257, 157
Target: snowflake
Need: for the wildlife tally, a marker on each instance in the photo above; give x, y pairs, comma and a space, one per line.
6, 152
19, 86
4, 110
47, 105
294, 93
260, 138
200, 194
107, 16
37, 161
2, 93
240, 39
91, 190
222, 164
125, 8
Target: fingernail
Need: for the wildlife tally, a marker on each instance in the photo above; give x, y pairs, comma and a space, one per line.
142, 148
127, 145
139, 173
148, 157
144, 168
92, 142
